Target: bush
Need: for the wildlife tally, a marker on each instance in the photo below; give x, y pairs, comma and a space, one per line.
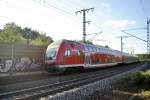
139, 80
145, 93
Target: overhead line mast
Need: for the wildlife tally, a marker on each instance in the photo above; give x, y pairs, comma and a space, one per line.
148, 22
84, 21
122, 37
148, 39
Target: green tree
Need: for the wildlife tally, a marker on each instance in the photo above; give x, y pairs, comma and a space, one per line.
42, 39
28, 33
143, 56
87, 42
11, 33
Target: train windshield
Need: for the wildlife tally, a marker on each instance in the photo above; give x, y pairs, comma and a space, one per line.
52, 50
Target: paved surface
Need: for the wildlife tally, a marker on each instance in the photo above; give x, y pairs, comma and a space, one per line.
2, 75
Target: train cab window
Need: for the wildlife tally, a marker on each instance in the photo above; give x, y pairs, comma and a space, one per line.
68, 52
51, 53
52, 50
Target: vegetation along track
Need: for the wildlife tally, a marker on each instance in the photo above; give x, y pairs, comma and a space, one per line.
44, 90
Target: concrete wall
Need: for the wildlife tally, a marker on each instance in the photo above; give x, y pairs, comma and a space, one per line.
18, 57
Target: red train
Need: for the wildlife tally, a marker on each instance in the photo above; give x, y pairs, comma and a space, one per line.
65, 54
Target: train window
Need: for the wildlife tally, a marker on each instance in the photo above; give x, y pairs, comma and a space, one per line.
102, 50
97, 50
109, 51
86, 48
68, 52
106, 51
79, 52
91, 49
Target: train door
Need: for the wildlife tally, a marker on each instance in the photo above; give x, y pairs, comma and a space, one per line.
87, 59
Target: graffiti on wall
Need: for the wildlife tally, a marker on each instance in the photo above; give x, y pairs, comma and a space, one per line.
19, 65
5, 67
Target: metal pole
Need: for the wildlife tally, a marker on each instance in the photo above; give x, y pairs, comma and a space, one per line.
84, 21
148, 42
12, 58
122, 37
12, 51
121, 50
84, 26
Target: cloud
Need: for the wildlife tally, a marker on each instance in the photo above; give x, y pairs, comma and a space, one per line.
105, 5
118, 24
111, 30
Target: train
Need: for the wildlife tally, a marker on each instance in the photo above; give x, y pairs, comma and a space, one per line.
67, 54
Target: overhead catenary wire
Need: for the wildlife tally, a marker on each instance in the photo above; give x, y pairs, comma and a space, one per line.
95, 35
133, 35
63, 10
131, 29
48, 5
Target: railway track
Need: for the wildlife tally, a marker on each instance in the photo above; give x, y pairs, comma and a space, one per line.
49, 79
49, 89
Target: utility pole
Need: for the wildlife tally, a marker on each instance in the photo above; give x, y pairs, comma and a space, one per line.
84, 21
121, 47
132, 51
148, 41
122, 37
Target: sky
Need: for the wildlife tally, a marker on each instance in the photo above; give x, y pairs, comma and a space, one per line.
57, 19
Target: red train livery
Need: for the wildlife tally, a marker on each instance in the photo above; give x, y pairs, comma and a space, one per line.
65, 54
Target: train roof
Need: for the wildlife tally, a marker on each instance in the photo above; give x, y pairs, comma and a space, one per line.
72, 41
92, 45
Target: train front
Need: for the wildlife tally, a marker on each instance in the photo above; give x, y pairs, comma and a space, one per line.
51, 57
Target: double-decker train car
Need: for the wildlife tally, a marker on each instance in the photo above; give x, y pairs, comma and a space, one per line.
65, 54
